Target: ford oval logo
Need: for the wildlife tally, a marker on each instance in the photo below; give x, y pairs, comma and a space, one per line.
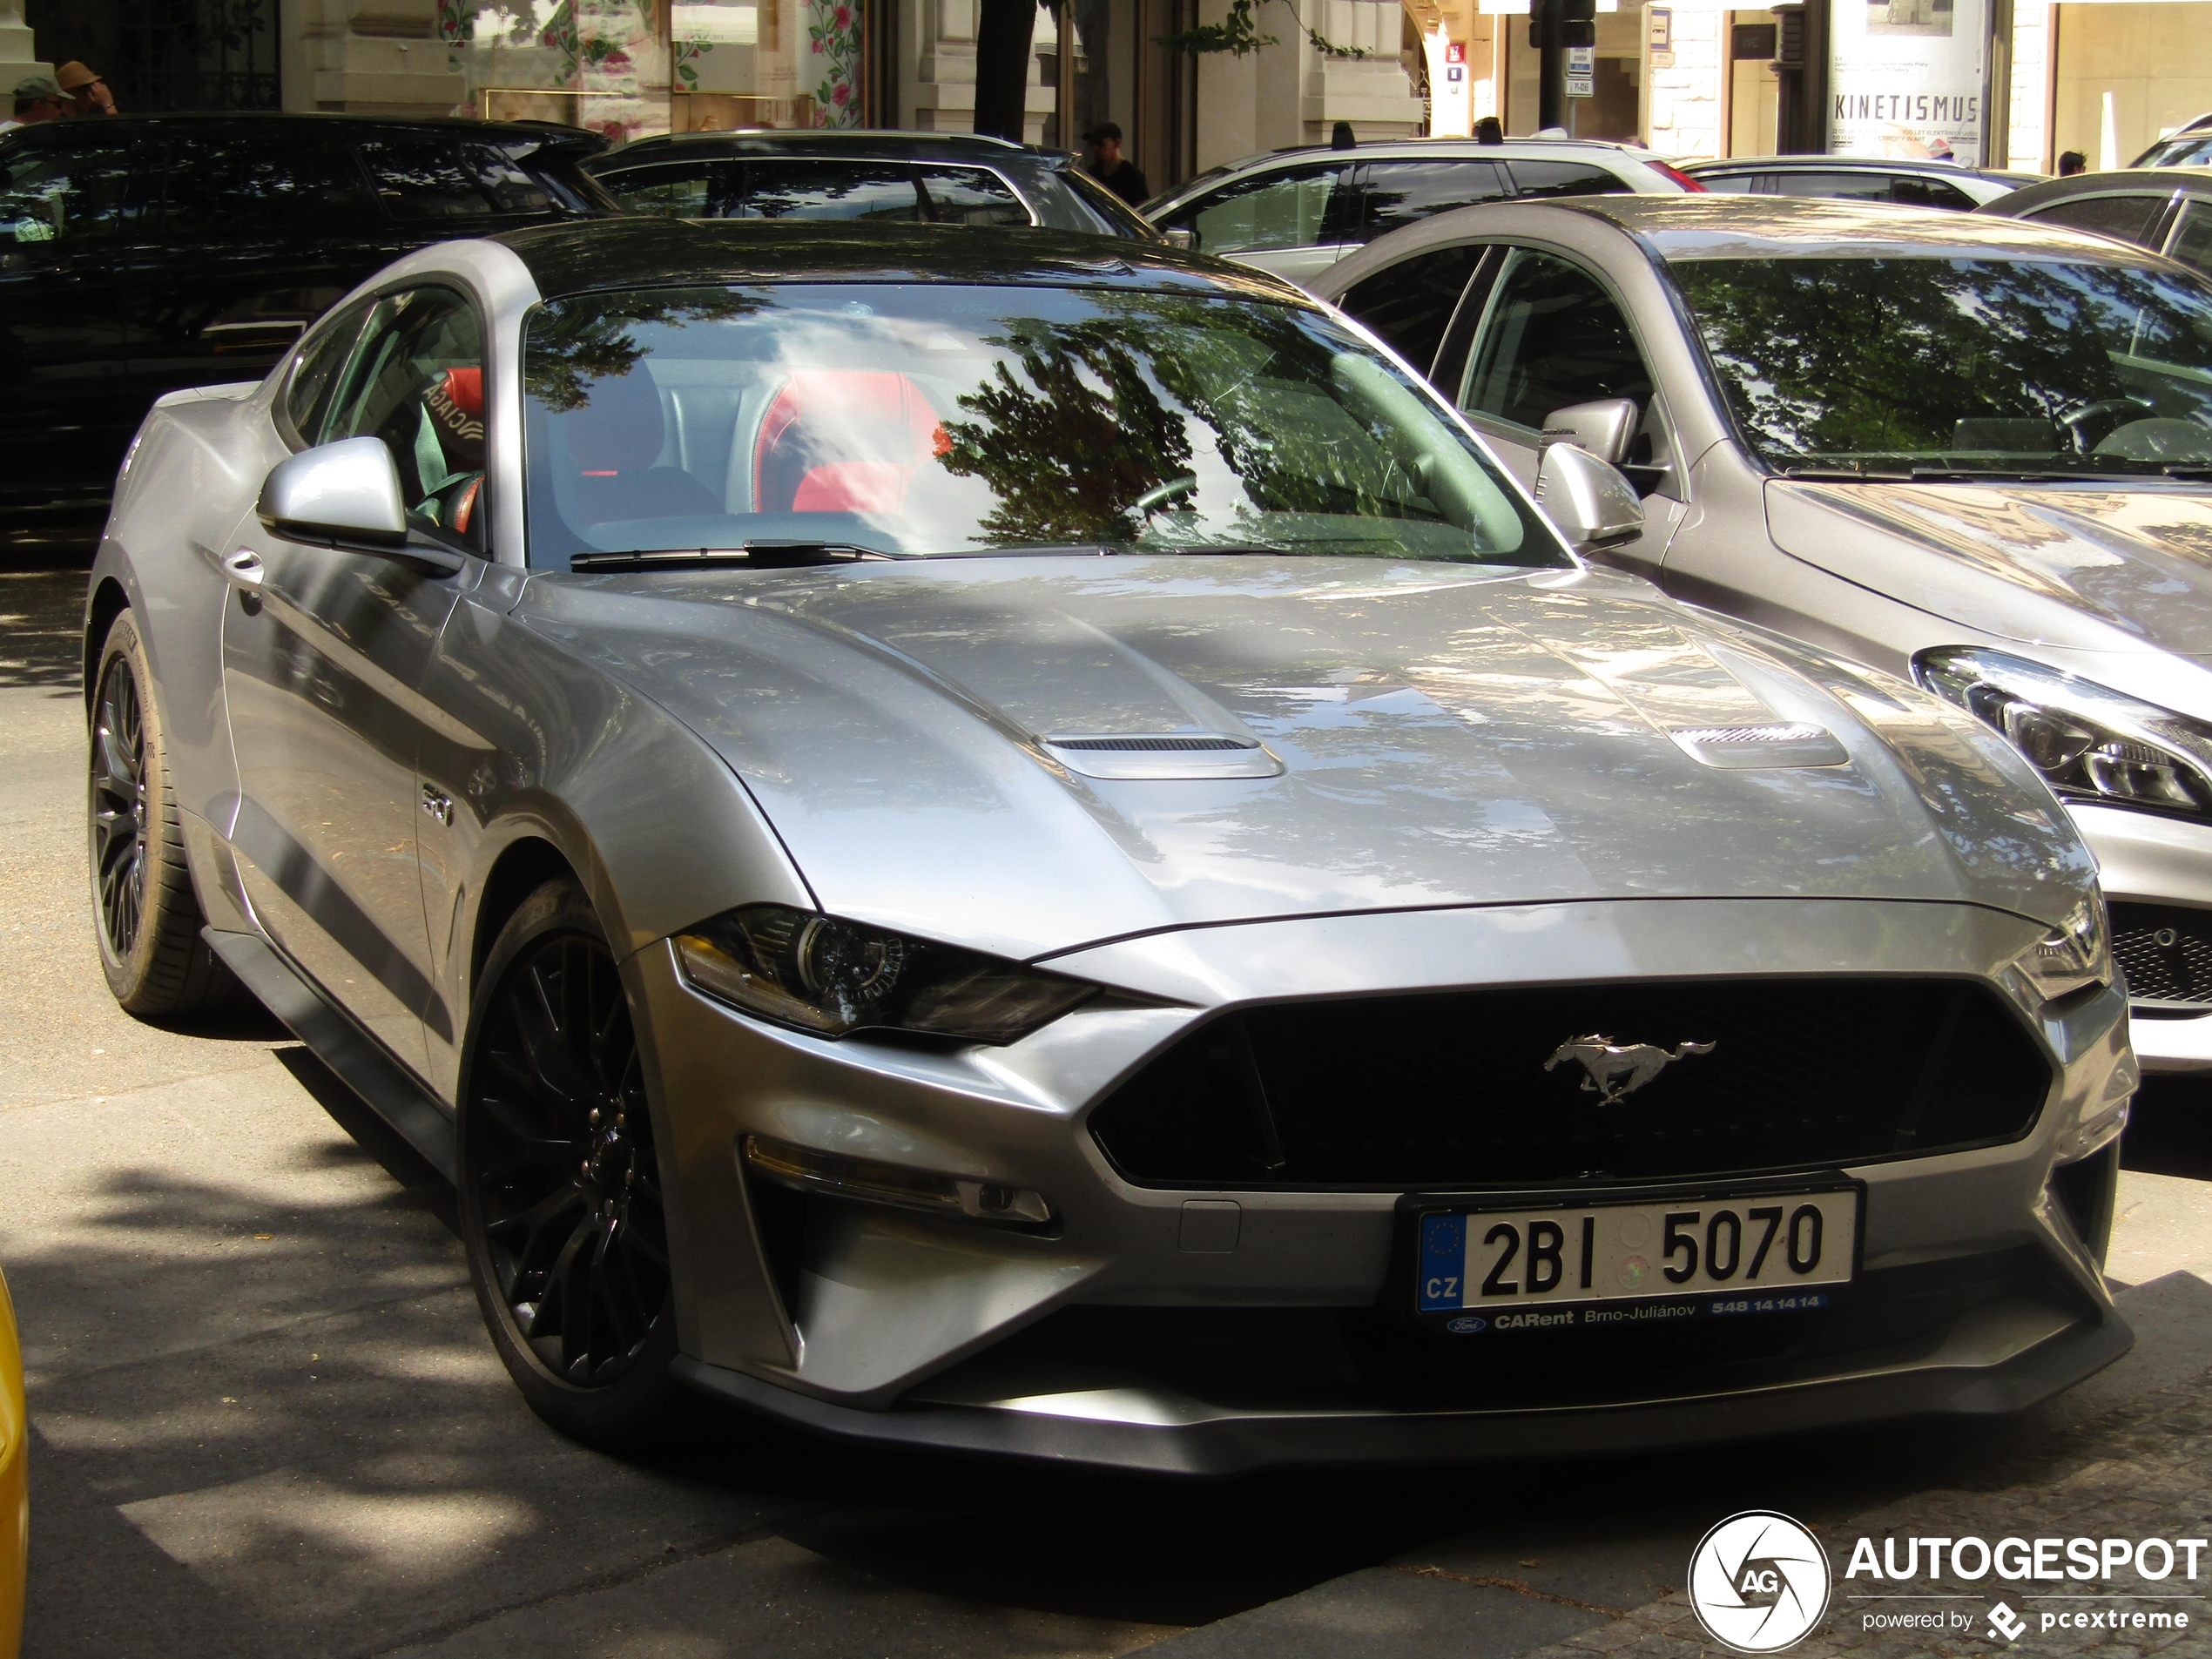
1467, 1325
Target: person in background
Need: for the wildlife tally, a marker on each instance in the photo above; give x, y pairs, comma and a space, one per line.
1490, 130
1111, 167
39, 97
87, 91
2073, 162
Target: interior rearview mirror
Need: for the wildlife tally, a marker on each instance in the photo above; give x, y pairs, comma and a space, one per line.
1605, 427
1593, 505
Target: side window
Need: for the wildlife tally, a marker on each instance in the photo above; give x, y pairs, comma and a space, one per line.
240, 184
1388, 194
314, 373
1564, 179
679, 189
1553, 337
2192, 241
77, 193
503, 178
2129, 219
866, 190
1287, 208
1920, 190
1857, 185
1410, 303
1735, 183
415, 380
421, 176
969, 196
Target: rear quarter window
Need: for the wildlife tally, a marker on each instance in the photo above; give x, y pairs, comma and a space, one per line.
1564, 179
2127, 218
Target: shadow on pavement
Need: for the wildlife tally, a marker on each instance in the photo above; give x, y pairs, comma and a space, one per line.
41, 627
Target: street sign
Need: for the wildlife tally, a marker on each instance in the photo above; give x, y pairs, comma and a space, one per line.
1582, 71
1659, 35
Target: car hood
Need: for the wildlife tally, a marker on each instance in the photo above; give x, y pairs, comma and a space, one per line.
1444, 736
2125, 568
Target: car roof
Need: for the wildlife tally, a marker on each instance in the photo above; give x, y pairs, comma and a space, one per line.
1715, 227
536, 133
865, 143
581, 255
1826, 164
1528, 149
2121, 181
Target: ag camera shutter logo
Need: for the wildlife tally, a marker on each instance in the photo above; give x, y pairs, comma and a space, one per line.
1759, 1582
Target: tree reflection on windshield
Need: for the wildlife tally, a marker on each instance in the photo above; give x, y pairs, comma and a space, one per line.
1962, 363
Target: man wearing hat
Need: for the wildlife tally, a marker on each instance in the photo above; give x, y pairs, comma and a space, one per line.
86, 89
1111, 167
39, 97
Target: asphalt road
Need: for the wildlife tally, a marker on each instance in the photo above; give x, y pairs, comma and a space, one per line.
266, 1421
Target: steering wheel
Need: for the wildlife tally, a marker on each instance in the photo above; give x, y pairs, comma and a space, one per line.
2111, 410
1160, 495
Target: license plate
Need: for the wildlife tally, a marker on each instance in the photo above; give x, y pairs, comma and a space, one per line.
1767, 1250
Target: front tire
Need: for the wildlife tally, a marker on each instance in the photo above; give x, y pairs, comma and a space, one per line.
561, 1205
145, 911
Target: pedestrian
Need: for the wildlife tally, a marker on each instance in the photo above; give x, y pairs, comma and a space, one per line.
39, 97
1111, 168
2073, 162
88, 92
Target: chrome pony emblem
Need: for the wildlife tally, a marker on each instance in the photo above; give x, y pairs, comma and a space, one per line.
1617, 1070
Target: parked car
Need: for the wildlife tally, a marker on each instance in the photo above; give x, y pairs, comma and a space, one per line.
1054, 860
1871, 178
920, 178
1296, 212
1974, 452
146, 253
2188, 146
2168, 211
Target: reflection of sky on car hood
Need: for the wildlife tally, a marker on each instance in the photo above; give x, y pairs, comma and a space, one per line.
1446, 742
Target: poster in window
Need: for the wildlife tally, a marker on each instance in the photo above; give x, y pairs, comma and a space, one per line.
1906, 77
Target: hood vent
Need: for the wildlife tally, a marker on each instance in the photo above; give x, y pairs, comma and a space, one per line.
1790, 743
1131, 755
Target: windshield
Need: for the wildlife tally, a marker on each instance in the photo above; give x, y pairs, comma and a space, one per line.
924, 419
1996, 367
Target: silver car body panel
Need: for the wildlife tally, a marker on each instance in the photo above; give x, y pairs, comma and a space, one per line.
1480, 785
2106, 581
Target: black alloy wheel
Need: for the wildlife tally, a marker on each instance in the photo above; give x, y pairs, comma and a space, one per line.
560, 1183
118, 767
147, 915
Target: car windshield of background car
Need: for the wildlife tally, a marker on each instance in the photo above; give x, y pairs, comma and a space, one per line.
946, 419
1997, 368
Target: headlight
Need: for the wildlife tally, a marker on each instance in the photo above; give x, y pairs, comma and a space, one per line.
2075, 954
831, 977
2090, 743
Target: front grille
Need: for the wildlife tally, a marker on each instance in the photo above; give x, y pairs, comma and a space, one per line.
2165, 951
1450, 1090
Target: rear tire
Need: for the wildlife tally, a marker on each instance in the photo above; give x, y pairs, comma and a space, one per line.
145, 911
560, 1184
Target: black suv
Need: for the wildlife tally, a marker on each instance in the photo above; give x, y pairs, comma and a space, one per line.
900, 178
143, 253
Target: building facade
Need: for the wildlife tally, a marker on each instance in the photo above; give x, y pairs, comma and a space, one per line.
1192, 83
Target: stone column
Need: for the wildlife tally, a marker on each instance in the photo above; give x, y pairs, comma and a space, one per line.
18, 55
370, 56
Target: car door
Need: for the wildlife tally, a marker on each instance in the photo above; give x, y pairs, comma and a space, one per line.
324, 651
270, 234
1552, 333
69, 264
1290, 220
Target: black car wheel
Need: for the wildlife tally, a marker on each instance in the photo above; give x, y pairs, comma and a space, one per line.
147, 915
561, 1203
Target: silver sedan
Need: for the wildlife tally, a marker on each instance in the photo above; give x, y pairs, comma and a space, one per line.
1051, 859
1962, 450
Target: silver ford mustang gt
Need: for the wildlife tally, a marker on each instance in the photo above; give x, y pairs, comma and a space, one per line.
1030, 849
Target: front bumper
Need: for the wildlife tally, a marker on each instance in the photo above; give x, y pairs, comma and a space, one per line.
2145, 859
883, 1323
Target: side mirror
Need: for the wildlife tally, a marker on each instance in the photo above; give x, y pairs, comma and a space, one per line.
1606, 428
1186, 239
346, 494
1593, 505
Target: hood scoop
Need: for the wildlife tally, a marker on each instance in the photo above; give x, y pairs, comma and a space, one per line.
1168, 754
1785, 744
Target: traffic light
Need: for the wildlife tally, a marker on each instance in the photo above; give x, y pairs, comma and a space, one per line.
1578, 23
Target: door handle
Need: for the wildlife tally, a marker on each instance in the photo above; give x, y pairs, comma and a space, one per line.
243, 567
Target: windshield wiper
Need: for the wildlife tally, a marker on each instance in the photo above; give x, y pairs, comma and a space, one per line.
758, 556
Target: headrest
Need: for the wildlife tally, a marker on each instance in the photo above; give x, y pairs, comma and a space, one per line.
456, 407
619, 428
838, 417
